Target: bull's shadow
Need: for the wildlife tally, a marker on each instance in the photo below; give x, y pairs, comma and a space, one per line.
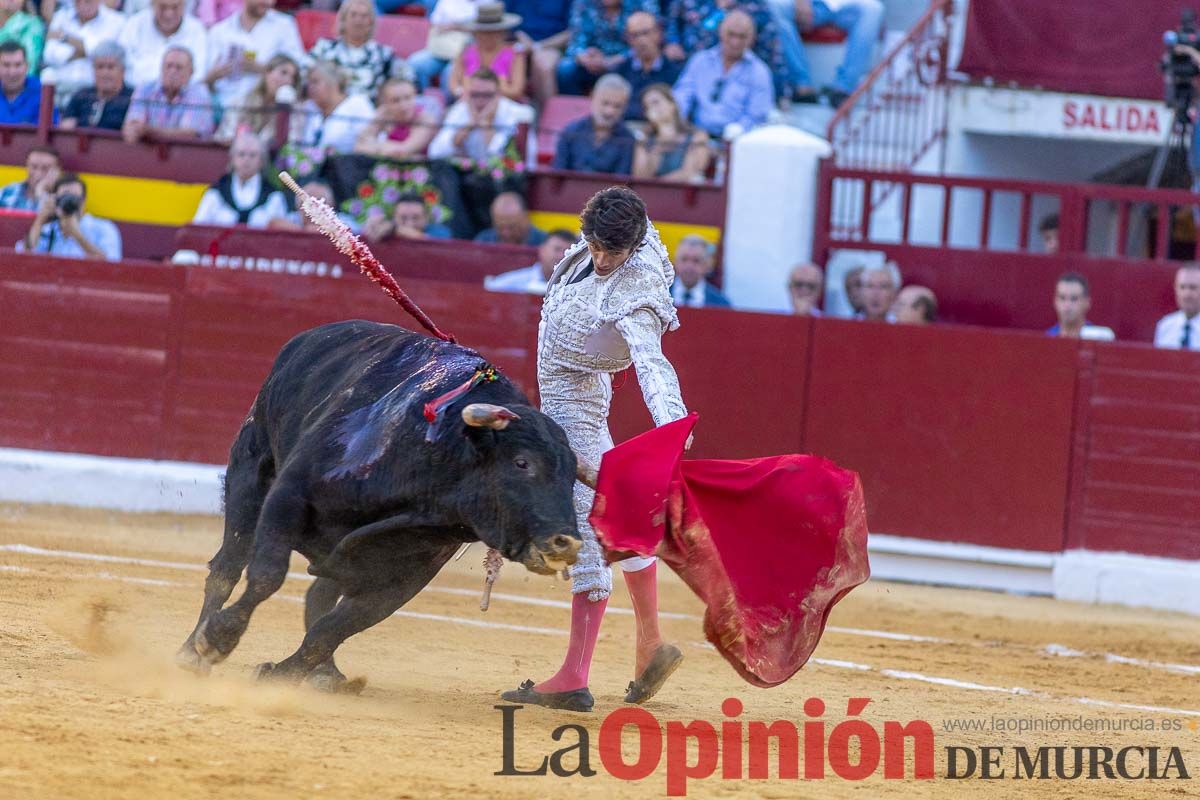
338, 461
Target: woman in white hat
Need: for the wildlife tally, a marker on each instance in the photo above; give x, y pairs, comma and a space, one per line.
490, 48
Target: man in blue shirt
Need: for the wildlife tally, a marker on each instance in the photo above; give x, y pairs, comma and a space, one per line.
20, 93
511, 223
599, 142
63, 228
646, 64
727, 84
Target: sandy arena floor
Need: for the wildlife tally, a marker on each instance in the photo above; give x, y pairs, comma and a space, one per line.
92, 706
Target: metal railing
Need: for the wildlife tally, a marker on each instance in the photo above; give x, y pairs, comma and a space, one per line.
860, 209
897, 116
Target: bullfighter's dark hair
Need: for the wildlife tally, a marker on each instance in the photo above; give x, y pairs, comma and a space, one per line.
1075, 277
614, 219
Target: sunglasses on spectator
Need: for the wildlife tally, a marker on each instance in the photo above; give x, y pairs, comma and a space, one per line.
810, 286
482, 95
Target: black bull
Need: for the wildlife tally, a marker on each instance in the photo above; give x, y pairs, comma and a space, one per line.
337, 462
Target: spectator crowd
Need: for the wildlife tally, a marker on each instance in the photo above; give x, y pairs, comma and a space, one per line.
667, 82
673, 75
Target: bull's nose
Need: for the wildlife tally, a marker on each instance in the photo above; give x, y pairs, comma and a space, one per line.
561, 547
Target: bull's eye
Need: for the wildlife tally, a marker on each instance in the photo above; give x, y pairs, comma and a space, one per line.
521, 463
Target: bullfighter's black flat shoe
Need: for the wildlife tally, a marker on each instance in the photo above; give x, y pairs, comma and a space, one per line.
666, 660
574, 700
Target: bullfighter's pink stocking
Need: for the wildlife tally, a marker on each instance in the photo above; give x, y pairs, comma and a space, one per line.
643, 592
586, 616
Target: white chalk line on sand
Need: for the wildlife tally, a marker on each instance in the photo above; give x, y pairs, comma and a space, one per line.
837, 664
1050, 649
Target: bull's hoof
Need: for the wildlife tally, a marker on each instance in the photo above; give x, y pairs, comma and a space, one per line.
207, 653
187, 658
264, 671
336, 683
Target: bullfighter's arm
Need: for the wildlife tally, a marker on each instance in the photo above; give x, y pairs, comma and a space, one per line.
642, 331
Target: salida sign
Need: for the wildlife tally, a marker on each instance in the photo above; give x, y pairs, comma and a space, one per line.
1055, 115
1113, 117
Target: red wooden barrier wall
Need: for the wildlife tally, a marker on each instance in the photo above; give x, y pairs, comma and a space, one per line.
997, 438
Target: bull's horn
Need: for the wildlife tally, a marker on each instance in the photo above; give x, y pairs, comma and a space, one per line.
585, 474
486, 415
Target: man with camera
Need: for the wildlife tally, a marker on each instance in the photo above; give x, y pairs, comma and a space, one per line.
62, 228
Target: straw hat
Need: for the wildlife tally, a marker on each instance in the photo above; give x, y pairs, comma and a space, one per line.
493, 17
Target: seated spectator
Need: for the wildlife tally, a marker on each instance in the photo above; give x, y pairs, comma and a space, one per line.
1180, 330
22, 92
242, 196
1072, 301
75, 32
489, 48
878, 293
646, 63
147, 34
694, 262
410, 220
448, 37
239, 46
42, 167
25, 29
804, 289
299, 221
256, 111
860, 19
482, 123
1048, 230
543, 32
915, 305
366, 62
672, 149
597, 43
63, 227
511, 223
852, 285
172, 107
105, 103
726, 85
332, 118
401, 128
599, 142
694, 26
534, 278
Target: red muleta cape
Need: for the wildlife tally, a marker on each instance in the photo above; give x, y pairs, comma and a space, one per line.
769, 544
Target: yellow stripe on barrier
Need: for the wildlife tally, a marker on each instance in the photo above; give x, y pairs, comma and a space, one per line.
671, 232
158, 202
125, 199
